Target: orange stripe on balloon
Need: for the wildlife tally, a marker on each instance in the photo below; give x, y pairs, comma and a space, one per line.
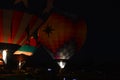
21, 38
1, 26
23, 25
7, 19
16, 20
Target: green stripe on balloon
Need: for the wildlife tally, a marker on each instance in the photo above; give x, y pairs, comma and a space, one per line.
27, 48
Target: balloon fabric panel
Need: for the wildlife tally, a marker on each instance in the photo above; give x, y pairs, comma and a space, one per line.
13, 26
55, 32
61, 36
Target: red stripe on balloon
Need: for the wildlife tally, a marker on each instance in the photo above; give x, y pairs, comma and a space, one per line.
1, 26
33, 41
32, 21
16, 20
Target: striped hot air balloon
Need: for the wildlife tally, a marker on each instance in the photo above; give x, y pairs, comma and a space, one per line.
16, 29
15, 26
62, 37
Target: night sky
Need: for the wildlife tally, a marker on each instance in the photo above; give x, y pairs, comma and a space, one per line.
100, 50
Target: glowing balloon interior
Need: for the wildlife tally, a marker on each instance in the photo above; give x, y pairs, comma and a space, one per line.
61, 35
16, 25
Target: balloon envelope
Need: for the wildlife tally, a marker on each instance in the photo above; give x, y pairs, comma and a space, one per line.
16, 25
61, 36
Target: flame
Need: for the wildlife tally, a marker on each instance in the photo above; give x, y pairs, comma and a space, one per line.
4, 53
62, 64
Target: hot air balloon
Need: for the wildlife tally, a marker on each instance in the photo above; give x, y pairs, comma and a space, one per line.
62, 37
17, 28
14, 26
